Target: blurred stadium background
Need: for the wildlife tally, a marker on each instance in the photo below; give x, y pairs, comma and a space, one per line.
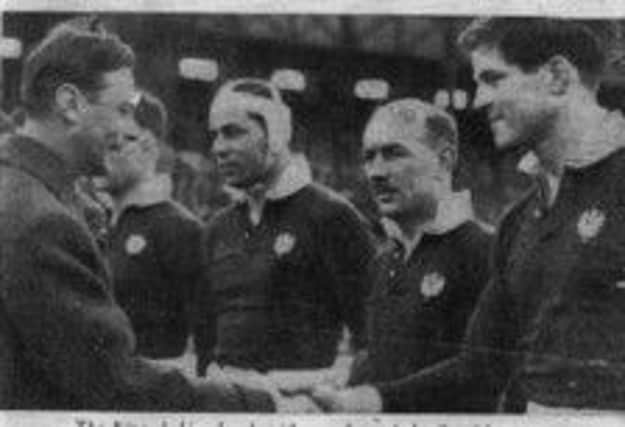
333, 70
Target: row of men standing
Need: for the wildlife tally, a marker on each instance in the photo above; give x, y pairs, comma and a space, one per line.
280, 271
271, 289
273, 278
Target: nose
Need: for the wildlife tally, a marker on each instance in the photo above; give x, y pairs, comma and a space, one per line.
376, 167
220, 148
483, 97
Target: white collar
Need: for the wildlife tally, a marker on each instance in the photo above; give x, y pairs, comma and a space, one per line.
531, 165
394, 232
293, 178
451, 212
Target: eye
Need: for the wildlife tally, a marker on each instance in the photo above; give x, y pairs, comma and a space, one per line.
130, 137
395, 151
232, 131
491, 78
211, 134
368, 155
126, 109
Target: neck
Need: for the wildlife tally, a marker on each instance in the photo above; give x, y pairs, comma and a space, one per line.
121, 199
54, 136
258, 191
412, 225
577, 120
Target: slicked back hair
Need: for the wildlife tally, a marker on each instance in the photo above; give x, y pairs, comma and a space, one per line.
530, 42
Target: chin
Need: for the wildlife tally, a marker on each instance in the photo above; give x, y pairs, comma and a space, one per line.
506, 142
236, 183
101, 182
388, 210
96, 168
504, 137
242, 182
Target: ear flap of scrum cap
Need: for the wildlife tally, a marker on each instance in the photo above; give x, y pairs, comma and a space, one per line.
240, 96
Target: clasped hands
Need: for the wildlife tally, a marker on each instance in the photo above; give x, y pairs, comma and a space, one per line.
300, 392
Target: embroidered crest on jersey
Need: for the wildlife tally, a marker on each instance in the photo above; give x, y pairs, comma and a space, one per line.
285, 242
432, 284
135, 244
590, 223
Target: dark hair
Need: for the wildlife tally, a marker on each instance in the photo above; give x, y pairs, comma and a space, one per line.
531, 42
441, 128
72, 52
90, 23
151, 114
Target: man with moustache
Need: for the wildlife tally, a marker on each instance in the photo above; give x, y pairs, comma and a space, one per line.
287, 261
434, 263
154, 242
551, 321
66, 344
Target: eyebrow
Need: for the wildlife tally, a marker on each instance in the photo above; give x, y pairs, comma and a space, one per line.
489, 75
230, 126
390, 145
129, 104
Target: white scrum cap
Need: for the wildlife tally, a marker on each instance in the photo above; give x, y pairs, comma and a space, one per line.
257, 96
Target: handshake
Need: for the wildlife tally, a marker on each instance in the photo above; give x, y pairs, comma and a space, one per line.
305, 391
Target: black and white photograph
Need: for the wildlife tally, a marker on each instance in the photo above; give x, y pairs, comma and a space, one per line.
312, 212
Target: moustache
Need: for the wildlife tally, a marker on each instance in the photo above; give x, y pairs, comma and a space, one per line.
382, 186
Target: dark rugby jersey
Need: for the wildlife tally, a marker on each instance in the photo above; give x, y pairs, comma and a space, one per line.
278, 294
552, 319
155, 258
418, 310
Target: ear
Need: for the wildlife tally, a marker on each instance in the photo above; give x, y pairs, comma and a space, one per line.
448, 157
152, 149
69, 102
560, 74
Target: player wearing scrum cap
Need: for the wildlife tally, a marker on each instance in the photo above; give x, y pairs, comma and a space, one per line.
287, 261
154, 243
434, 264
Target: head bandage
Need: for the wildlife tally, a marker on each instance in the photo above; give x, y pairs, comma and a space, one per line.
230, 100
411, 120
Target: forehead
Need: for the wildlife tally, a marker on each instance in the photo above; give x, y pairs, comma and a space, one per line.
388, 129
489, 59
416, 145
237, 118
118, 87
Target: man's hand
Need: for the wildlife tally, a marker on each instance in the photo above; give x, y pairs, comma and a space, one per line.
361, 399
298, 404
305, 381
